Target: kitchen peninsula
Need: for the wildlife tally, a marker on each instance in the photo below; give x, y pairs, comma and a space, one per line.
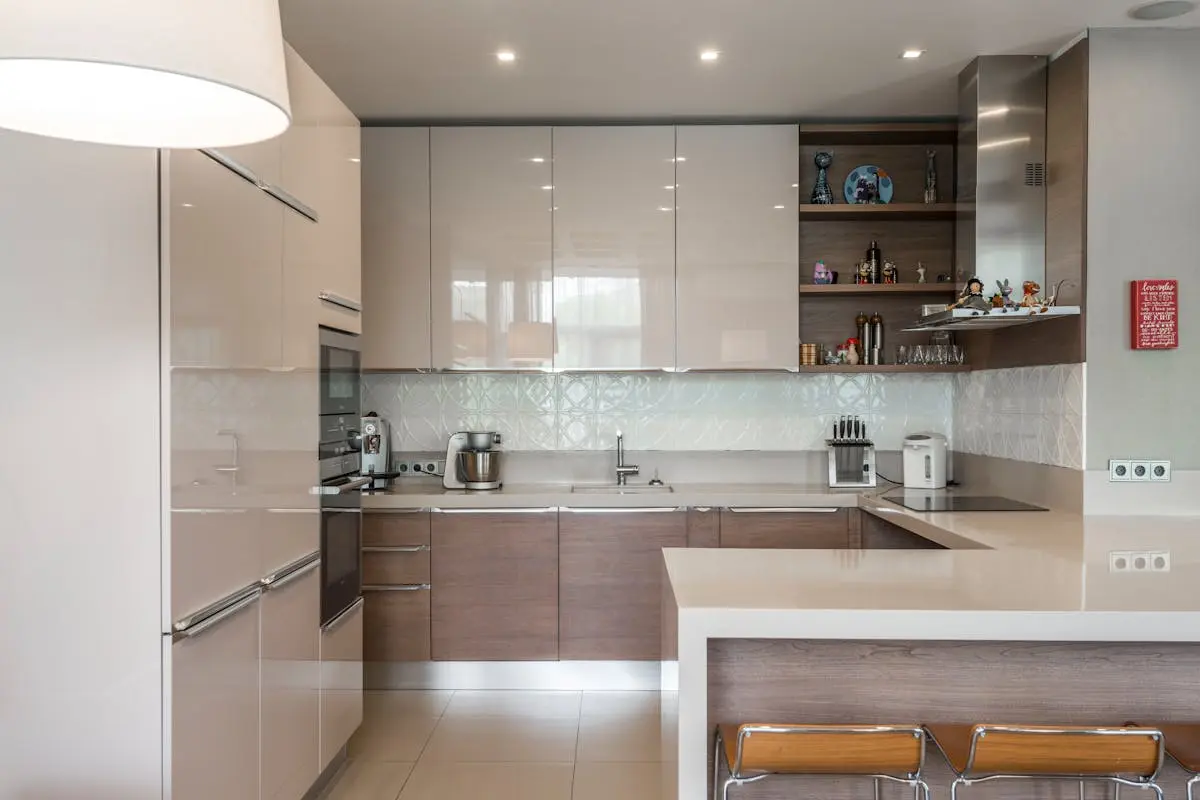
1033, 618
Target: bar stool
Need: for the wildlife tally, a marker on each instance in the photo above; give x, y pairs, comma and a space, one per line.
1183, 745
752, 752
1122, 756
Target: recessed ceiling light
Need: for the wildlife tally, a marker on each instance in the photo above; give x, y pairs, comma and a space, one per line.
678, 159
795, 186
665, 208
1164, 9
779, 207
670, 187
355, 160
710, 55
912, 54
538, 160
547, 188
506, 56
187, 205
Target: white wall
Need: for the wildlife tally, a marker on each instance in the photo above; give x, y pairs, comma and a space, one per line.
80, 648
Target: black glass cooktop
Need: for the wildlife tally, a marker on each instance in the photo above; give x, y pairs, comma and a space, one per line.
928, 501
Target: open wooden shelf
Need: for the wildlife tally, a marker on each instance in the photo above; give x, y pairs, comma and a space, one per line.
879, 133
887, 368
898, 211
863, 290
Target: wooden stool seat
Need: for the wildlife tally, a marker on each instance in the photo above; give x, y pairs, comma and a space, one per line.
754, 751
1183, 742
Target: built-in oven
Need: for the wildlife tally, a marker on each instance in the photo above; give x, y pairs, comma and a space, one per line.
341, 368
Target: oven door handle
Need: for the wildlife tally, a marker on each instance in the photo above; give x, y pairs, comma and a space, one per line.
345, 488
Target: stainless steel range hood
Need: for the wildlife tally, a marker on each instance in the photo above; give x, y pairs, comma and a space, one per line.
1001, 219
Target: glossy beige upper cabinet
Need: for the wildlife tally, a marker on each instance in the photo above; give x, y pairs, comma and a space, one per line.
614, 247
225, 257
323, 260
491, 200
737, 246
395, 233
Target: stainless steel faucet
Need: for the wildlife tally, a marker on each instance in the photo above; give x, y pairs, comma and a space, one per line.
624, 470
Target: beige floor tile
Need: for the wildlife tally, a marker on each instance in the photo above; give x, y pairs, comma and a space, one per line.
417, 704
620, 738
515, 705
395, 737
467, 781
370, 780
621, 703
618, 781
493, 739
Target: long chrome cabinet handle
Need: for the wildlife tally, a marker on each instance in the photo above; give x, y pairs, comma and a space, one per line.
650, 510
291, 201
398, 587
341, 618
341, 511
216, 619
213, 608
804, 510
549, 510
345, 488
246, 174
398, 511
337, 300
416, 548
283, 578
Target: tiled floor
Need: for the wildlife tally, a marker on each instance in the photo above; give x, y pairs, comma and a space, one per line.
506, 746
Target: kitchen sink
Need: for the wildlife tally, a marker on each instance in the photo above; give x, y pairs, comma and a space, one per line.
614, 489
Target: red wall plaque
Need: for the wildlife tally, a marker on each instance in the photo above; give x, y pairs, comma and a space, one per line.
1155, 316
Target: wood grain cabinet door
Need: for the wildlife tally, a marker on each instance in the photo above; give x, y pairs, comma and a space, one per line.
785, 528
610, 579
396, 588
494, 579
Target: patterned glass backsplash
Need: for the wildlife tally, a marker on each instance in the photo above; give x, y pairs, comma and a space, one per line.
657, 411
1028, 414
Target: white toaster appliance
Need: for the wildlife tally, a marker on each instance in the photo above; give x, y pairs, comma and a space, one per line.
925, 459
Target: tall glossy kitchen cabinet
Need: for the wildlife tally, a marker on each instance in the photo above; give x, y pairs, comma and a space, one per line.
737, 246
395, 227
614, 247
490, 207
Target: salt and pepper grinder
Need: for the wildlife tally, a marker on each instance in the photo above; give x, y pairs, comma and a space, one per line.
875, 325
863, 324
875, 262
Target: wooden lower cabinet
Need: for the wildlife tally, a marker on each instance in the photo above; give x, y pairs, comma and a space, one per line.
787, 529
494, 579
879, 534
396, 587
611, 579
396, 624
703, 527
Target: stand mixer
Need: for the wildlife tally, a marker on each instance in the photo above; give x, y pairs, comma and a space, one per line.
473, 461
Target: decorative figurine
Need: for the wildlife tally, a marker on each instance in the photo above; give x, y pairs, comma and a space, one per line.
866, 190
822, 195
1030, 300
852, 351
930, 176
972, 297
864, 273
821, 274
1005, 295
889, 272
920, 272
997, 300
1052, 300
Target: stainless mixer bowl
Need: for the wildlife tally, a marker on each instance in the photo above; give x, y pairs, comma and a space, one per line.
479, 466
480, 440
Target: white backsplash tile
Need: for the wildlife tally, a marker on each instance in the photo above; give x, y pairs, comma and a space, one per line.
1028, 414
656, 411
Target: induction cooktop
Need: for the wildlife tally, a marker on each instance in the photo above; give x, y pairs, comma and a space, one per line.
927, 501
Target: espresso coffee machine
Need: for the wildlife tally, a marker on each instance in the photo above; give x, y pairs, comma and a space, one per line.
376, 450
473, 461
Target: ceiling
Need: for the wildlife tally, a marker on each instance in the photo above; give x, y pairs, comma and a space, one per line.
633, 59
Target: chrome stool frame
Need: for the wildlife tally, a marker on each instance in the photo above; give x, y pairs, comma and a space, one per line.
736, 778
963, 779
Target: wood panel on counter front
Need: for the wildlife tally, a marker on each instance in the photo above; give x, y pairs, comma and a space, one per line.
808, 529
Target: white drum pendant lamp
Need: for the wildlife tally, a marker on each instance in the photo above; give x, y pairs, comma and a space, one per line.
150, 73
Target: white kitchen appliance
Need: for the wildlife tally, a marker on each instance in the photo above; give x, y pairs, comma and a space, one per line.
925, 456
376, 449
473, 461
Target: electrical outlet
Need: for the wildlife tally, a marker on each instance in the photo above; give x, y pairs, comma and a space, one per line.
1118, 561
1139, 470
1139, 562
1160, 471
412, 468
1160, 561
1120, 471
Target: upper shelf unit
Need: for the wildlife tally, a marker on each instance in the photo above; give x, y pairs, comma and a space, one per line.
882, 211
879, 133
855, 289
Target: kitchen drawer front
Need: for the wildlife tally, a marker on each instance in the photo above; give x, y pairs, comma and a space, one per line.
800, 529
395, 528
396, 624
388, 565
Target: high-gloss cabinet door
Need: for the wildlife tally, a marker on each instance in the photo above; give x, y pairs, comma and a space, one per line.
611, 581
614, 247
226, 257
395, 242
491, 197
214, 696
341, 681
291, 683
738, 246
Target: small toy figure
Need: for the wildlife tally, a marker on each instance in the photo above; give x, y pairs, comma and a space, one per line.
1005, 295
864, 273
997, 300
889, 272
920, 272
852, 351
822, 274
1030, 300
822, 195
972, 297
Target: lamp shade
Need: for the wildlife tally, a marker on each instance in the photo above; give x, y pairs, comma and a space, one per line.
151, 73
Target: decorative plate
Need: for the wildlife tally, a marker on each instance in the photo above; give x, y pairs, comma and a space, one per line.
861, 181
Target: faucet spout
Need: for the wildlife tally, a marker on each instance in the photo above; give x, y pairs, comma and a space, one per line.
624, 470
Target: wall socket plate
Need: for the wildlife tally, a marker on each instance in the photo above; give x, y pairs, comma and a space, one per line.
1138, 470
1139, 561
1160, 471
1120, 470
423, 468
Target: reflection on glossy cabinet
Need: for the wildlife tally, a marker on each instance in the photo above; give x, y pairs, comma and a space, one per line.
614, 247
737, 246
226, 257
395, 233
341, 681
291, 680
215, 710
491, 199
214, 553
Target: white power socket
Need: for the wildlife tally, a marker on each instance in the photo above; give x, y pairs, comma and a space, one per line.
412, 468
1160, 471
1138, 470
1139, 561
1120, 470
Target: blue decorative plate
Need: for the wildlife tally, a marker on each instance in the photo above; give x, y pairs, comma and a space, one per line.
862, 181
